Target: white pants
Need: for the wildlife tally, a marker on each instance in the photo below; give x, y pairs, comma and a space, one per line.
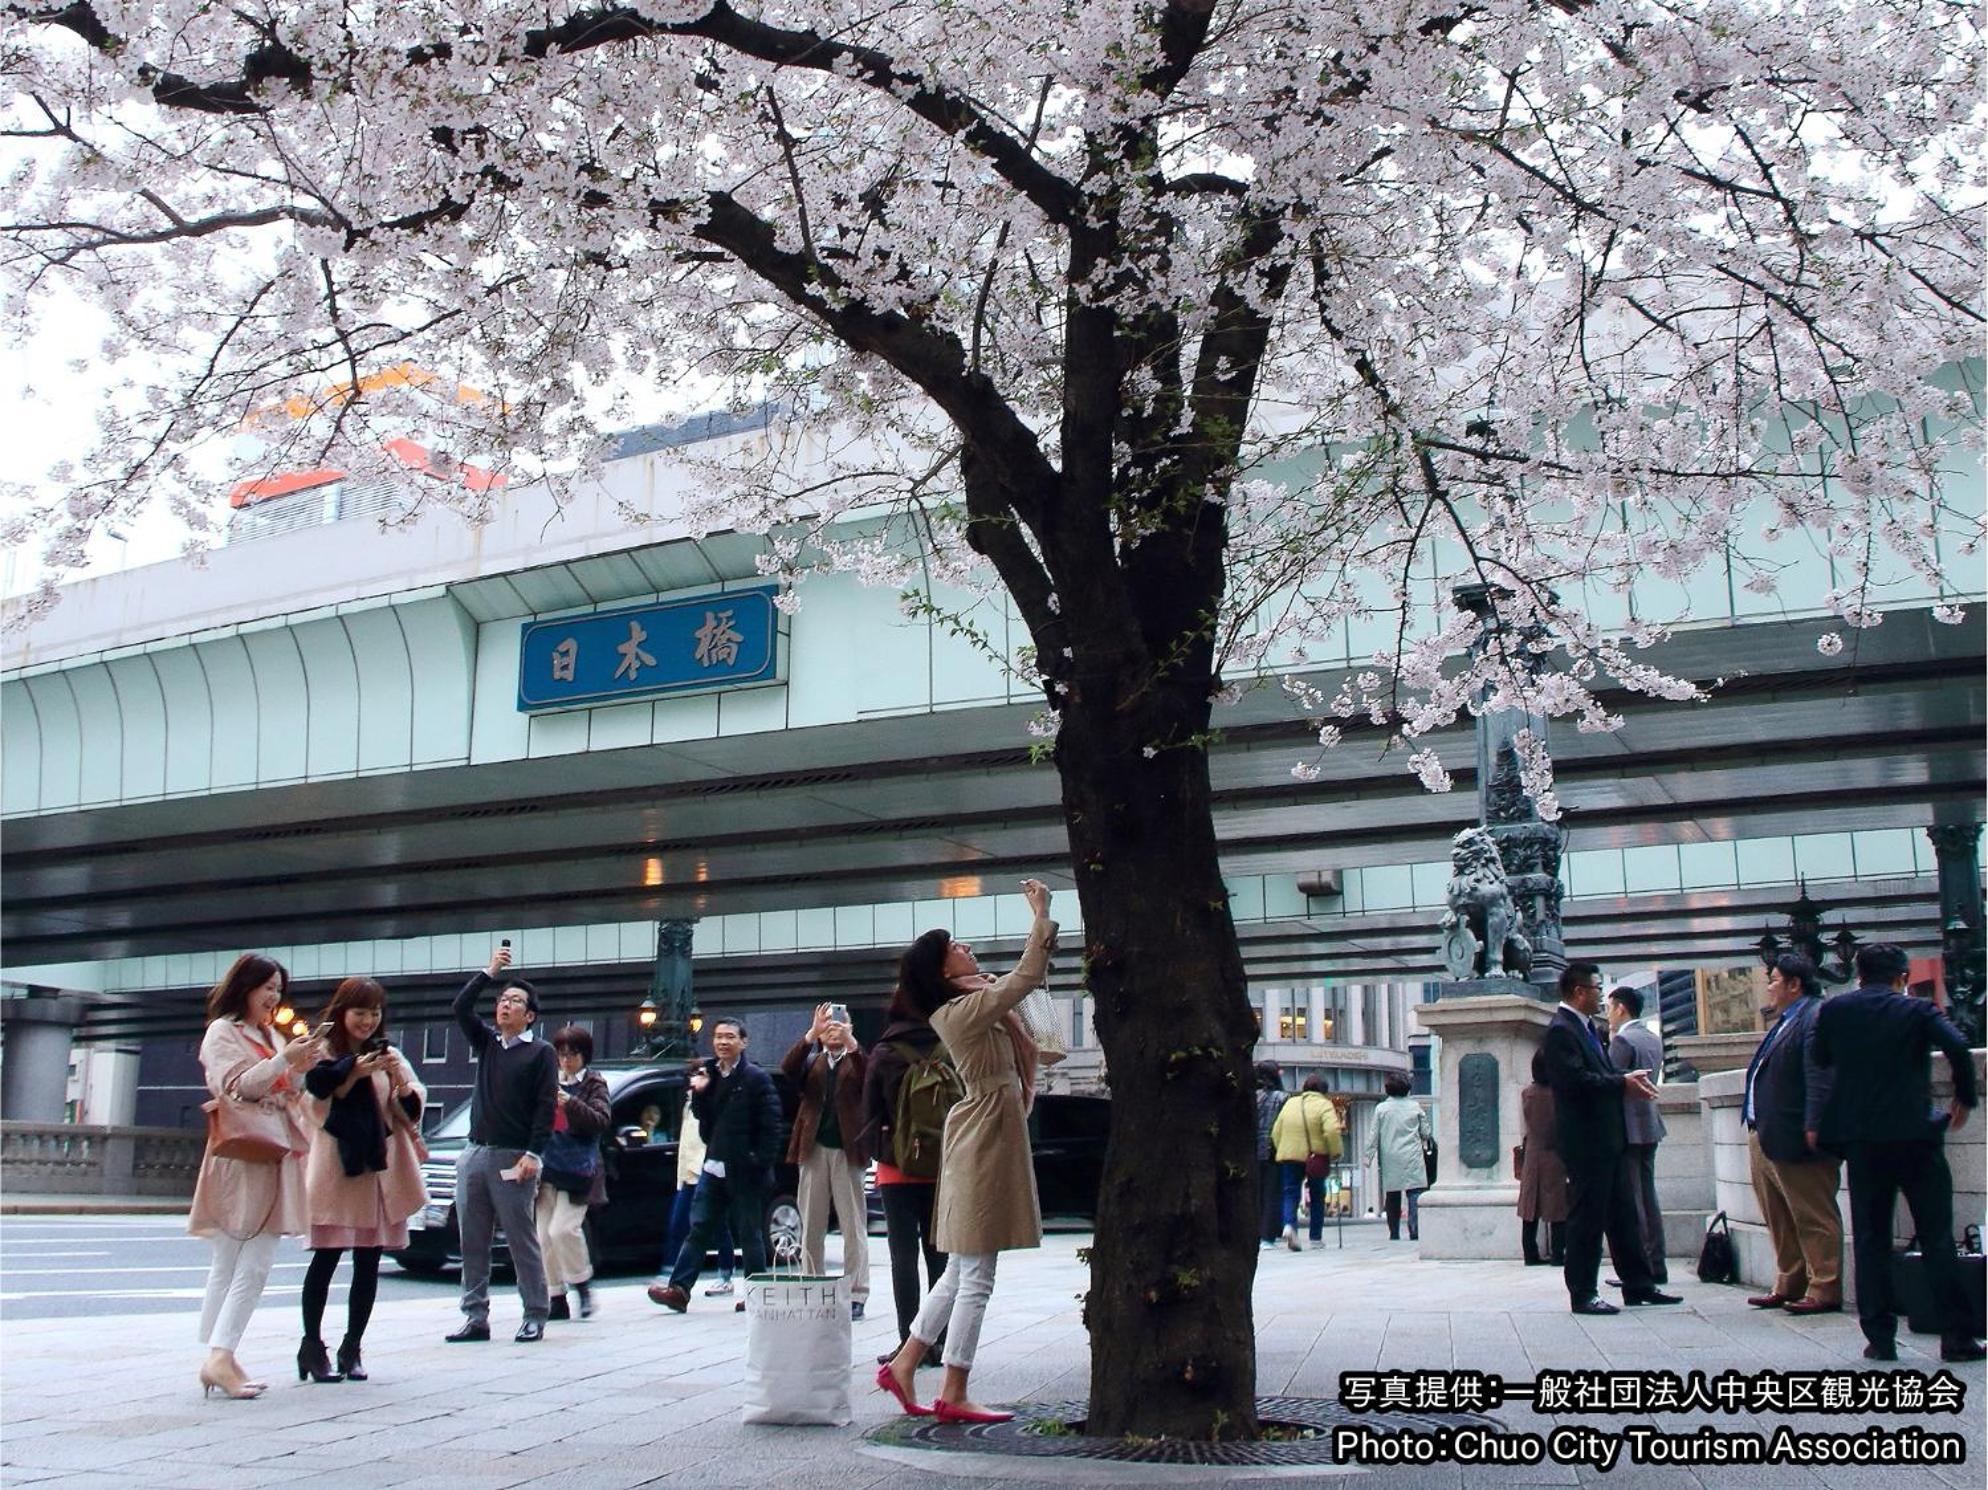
560, 1238
828, 1178
957, 1304
234, 1287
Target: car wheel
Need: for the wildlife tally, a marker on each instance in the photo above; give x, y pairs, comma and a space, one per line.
783, 1232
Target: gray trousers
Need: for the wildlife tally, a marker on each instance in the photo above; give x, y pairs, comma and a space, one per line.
485, 1201
1639, 1166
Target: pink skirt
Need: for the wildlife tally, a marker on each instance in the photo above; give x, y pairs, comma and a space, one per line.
380, 1232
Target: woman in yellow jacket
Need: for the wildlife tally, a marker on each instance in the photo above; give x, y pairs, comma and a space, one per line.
1306, 1139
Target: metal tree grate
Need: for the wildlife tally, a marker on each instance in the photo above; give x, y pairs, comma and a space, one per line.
1039, 1432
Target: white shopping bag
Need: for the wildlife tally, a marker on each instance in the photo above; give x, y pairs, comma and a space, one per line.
797, 1349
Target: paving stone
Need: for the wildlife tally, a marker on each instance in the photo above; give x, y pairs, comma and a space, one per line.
637, 1398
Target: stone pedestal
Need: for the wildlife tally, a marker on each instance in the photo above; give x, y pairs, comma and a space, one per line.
1685, 1191
1720, 1097
1712, 1053
1488, 1043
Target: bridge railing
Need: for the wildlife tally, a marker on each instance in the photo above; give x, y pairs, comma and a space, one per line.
79, 1159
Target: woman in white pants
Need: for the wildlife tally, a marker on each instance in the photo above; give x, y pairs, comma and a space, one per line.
242, 1205
566, 1192
986, 1202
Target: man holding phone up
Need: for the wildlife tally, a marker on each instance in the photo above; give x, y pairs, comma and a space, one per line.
510, 1120
827, 1147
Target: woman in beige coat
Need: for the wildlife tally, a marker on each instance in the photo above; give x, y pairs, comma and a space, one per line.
986, 1202
363, 1177
243, 1206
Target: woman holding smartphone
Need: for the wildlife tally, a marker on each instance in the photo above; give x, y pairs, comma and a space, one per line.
243, 1205
986, 1202
364, 1174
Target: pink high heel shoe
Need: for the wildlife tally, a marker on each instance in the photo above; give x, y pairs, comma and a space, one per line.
888, 1383
945, 1412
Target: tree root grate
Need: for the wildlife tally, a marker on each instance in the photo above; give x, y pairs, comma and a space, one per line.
1054, 1430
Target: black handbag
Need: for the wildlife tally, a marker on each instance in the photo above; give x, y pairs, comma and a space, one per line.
1912, 1289
1717, 1261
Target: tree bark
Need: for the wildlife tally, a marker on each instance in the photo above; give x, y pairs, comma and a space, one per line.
1173, 1347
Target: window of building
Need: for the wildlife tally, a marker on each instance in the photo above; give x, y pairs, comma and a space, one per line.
1332, 1023
1076, 1024
434, 1042
1293, 1025
1419, 1079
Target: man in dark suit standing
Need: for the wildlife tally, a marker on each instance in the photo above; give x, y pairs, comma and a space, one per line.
1588, 1094
1880, 1117
1782, 1104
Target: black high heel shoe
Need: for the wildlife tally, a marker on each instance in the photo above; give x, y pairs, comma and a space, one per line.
314, 1363
349, 1364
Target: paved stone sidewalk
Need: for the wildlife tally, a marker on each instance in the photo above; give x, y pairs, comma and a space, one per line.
639, 1397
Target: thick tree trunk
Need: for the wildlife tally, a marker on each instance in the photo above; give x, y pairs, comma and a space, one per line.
1173, 1347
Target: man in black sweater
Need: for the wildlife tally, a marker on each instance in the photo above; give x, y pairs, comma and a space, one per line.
738, 1111
1879, 1042
510, 1119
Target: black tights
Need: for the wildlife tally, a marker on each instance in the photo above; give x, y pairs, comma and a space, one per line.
1556, 1241
358, 1303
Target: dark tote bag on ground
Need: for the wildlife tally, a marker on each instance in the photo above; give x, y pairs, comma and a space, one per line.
1913, 1294
1717, 1261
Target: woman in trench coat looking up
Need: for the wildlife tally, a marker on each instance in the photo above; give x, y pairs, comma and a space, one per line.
986, 1202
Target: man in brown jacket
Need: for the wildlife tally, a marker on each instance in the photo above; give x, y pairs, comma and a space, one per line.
827, 1068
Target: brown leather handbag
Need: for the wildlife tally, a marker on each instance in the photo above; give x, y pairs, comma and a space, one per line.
253, 1132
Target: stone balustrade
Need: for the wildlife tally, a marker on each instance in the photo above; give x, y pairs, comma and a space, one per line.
74, 1159
1720, 1094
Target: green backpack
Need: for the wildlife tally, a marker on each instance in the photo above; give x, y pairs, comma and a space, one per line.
930, 1087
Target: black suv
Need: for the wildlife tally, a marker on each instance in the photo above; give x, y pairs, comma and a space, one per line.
648, 1110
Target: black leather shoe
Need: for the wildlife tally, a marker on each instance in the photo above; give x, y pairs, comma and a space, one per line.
529, 1331
559, 1308
314, 1363
1876, 1352
472, 1330
350, 1364
1596, 1306
1653, 1296
1962, 1350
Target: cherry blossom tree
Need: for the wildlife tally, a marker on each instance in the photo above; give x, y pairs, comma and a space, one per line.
1201, 327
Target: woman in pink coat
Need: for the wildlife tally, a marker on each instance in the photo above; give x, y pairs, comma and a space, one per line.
244, 1205
363, 1178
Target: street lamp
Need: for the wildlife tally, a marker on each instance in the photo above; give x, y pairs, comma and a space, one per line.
1805, 939
696, 1023
646, 1015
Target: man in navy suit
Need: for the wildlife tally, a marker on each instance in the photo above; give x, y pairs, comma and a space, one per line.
1588, 1093
1782, 1104
1880, 1117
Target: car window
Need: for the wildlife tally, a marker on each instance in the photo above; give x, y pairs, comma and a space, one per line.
1070, 1119
656, 1107
455, 1125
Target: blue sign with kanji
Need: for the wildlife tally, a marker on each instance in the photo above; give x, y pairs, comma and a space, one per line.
671, 646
